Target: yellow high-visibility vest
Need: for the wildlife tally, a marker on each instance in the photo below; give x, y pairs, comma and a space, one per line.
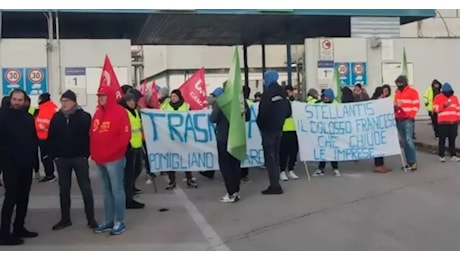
312, 100
32, 110
184, 107
289, 125
164, 103
136, 129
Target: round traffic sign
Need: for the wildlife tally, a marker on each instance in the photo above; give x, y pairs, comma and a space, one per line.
13, 76
343, 69
36, 75
358, 69
326, 44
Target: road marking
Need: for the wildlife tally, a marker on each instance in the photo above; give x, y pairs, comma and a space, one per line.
206, 229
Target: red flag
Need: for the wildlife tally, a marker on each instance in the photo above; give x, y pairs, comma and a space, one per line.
154, 102
143, 90
109, 78
194, 91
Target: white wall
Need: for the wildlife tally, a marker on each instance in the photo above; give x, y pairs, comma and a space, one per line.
430, 58
73, 53
445, 24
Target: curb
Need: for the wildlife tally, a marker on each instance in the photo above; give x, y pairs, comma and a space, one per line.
429, 148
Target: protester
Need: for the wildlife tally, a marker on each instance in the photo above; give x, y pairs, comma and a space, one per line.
68, 138
212, 99
110, 135
257, 97
386, 89
245, 171
407, 104
348, 96
18, 153
447, 108
379, 163
328, 98
163, 97
46, 111
4, 107
134, 153
274, 108
428, 99
313, 96
229, 166
177, 103
33, 112
360, 93
289, 146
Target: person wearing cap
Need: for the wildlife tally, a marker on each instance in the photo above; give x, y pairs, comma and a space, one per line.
177, 103
134, 153
328, 97
447, 108
289, 146
110, 135
274, 108
406, 106
46, 110
68, 137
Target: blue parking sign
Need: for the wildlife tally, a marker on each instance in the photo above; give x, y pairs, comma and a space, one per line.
36, 81
12, 78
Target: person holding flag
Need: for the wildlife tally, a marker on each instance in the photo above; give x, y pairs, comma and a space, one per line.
230, 113
274, 108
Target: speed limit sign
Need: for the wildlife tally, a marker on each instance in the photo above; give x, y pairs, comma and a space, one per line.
35, 75
13, 76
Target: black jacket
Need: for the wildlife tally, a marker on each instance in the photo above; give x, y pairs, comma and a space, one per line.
18, 139
274, 108
222, 125
69, 136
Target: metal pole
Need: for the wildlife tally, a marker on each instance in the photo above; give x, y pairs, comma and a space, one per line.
289, 63
1, 24
246, 68
58, 41
264, 66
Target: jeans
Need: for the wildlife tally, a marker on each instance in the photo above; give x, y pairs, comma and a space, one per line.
230, 168
447, 131
289, 148
112, 178
406, 133
271, 145
65, 166
46, 160
322, 165
133, 169
17, 180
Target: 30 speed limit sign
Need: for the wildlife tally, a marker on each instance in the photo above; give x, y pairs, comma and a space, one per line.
36, 75
13, 76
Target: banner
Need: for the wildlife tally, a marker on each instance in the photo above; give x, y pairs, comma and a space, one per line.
345, 132
186, 141
194, 91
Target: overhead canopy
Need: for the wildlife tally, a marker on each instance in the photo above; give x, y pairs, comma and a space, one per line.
197, 27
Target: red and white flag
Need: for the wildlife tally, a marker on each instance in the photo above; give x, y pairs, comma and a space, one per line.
109, 78
194, 91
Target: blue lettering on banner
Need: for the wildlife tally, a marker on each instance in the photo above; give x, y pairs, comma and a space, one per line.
176, 161
252, 123
254, 157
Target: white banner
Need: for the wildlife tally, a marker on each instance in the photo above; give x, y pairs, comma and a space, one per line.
186, 141
344, 132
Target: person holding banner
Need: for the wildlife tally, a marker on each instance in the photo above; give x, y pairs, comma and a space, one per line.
406, 104
245, 171
379, 164
177, 103
163, 97
274, 108
447, 108
313, 96
289, 146
328, 97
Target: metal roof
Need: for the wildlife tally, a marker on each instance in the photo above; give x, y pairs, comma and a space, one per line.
197, 27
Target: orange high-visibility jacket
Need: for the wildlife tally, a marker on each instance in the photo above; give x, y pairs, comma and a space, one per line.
407, 102
46, 111
447, 115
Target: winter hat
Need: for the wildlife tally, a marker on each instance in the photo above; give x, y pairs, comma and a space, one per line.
69, 94
164, 91
129, 96
126, 88
329, 93
178, 93
446, 87
313, 93
217, 92
270, 77
44, 97
402, 79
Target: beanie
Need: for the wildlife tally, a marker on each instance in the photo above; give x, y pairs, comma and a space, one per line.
69, 94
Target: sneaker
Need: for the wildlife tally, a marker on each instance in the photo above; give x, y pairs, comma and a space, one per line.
230, 198
283, 176
118, 229
24, 233
192, 184
62, 224
319, 172
273, 191
10, 240
455, 159
442, 159
337, 173
149, 181
185, 179
246, 180
106, 227
292, 175
48, 179
134, 205
410, 167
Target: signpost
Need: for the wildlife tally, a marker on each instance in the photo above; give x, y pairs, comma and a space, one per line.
12, 78
36, 81
326, 49
359, 73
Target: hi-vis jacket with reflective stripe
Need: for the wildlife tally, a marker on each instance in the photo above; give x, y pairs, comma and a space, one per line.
136, 129
447, 115
184, 107
407, 103
289, 124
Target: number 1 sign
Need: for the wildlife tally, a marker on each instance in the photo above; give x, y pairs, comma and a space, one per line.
75, 80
